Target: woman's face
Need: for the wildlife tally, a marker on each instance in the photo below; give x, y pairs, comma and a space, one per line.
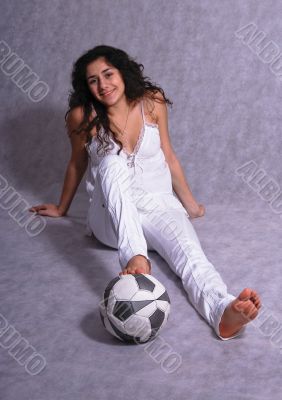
104, 81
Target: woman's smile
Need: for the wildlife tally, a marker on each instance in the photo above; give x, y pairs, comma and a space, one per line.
108, 93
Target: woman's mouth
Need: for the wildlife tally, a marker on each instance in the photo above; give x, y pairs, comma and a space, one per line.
108, 93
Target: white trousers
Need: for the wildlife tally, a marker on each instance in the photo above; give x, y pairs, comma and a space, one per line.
124, 217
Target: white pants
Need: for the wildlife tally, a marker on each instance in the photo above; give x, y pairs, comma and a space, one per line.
126, 218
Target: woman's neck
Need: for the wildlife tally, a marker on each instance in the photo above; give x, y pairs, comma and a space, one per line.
119, 108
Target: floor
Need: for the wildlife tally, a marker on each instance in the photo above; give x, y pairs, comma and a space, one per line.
51, 285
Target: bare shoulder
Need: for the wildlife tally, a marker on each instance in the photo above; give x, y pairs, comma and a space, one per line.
155, 106
161, 118
74, 117
74, 120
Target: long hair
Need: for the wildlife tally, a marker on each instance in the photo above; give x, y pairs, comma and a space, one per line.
136, 86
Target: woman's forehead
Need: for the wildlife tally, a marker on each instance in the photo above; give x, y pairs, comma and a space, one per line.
99, 65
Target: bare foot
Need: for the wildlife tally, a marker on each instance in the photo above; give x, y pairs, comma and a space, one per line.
239, 312
137, 265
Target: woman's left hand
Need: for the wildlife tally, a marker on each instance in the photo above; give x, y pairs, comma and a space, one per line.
198, 211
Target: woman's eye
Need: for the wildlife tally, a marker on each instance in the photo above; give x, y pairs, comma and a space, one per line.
95, 80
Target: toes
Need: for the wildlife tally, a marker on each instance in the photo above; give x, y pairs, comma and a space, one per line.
255, 299
249, 294
124, 272
253, 313
245, 294
239, 306
139, 270
250, 311
132, 271
257, 303
255, 295
246, 308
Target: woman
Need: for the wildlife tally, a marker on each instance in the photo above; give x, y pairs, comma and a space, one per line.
118, 128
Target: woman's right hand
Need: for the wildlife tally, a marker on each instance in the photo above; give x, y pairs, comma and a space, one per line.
49, 210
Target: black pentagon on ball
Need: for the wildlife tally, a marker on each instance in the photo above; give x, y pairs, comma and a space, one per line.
153, 334
109, 288
124, 309
164, 297
157, 319
139, 304
144, 283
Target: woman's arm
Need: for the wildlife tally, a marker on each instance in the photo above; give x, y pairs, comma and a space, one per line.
74, 172
78, 161
179, 182
72, 180
183, 191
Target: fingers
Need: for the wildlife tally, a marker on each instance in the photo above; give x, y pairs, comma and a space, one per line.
42, 212
38, 208
48, 210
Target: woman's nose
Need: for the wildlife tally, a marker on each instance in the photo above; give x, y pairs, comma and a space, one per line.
102, 84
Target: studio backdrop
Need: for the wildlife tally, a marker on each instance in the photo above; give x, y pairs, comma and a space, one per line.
219, 63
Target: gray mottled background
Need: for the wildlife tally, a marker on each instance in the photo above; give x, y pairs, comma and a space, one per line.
226, 95
226, 107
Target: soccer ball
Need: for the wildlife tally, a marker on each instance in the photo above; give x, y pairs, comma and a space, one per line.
135, 307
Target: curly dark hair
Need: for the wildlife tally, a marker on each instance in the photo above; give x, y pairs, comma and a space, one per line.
136, 86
